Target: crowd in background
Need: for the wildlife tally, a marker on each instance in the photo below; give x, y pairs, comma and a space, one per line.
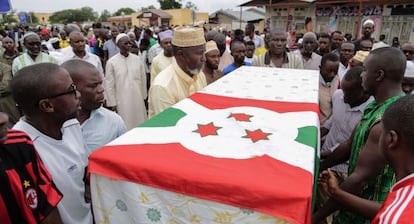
75, 89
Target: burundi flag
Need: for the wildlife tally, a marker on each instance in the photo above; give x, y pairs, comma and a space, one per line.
250, 153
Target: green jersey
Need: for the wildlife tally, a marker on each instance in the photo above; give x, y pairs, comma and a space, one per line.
377, 187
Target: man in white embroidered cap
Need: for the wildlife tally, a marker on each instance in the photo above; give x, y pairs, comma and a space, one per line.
182, 78
368, 28
165, 58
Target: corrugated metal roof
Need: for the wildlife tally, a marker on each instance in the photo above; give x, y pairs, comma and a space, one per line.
246, 15
158, 12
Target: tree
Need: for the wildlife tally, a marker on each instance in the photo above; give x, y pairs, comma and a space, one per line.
143, 9
73, 15
191, 5
126, 11
104, 16
9, 17
170, 4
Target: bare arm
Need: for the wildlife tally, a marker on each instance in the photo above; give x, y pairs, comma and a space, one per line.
53, 217
363, 206
370, 163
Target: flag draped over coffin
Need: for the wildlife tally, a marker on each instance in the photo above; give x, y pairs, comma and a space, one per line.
247, 152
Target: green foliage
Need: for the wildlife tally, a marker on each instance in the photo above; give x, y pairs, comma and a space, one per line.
74, 15
170, 4
191, 5
9, 18
143, 9
104, 16
126, 11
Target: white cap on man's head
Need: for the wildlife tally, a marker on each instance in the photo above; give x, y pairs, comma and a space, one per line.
121, 35
368, 21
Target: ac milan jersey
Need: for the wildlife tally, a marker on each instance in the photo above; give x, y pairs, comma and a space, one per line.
27, 193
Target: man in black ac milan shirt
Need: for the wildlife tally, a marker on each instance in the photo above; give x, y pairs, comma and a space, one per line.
27, 192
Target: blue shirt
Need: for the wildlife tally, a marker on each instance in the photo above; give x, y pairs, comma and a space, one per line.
232, 67
102, 127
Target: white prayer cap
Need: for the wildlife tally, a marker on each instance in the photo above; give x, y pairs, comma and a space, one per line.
368, 21
28, 34
409, 70
165, 35
119, 37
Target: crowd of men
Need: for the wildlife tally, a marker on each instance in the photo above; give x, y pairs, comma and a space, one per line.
66, 93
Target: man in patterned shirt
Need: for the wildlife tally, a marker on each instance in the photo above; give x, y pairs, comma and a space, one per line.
396, 143
369, 175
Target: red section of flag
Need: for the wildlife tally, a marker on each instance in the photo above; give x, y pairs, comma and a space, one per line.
240, 116
256, 135
207, 129
223, 102
264, 184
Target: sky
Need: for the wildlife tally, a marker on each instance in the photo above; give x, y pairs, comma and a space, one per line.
113, 5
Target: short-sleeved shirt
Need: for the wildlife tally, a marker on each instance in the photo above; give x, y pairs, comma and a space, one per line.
398, 207
27, 192
378, 187
66, 159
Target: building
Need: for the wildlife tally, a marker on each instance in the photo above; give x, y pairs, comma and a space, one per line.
232, 20
154, 17
393, 18
170, 17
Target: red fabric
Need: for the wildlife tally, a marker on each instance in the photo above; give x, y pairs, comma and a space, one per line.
398, 207
15, 181
263, 183
222, 102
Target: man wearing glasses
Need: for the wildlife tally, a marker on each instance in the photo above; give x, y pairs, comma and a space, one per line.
31, 42
48, 98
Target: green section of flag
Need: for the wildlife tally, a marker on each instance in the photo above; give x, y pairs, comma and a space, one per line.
167, 118
308, 136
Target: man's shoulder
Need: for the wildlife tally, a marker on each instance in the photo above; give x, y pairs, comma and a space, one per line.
102, 111
165, 76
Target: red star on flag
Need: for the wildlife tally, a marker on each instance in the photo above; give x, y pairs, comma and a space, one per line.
207, 129
240, 116
256, 135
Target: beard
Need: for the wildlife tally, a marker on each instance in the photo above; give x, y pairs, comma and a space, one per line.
194, 71
212, 66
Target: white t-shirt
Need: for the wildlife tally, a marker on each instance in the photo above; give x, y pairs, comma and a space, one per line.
66, 160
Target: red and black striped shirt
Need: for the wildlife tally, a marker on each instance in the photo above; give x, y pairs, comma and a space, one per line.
27, 193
